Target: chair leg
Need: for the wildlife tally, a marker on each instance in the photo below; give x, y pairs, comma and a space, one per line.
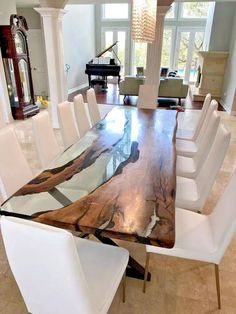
124, 287
146, 271
218, 285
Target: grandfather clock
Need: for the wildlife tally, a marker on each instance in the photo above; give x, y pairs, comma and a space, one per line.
16, 61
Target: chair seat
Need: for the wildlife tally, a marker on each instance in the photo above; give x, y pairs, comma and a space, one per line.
187, 195
103, 274
193, 237
186, 148
188, 119
104, 109
185, 134
186, 167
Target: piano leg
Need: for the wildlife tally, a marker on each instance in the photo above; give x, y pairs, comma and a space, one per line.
89, 79
106, 82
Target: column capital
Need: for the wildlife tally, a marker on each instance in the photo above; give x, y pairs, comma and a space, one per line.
51, 12
162, 10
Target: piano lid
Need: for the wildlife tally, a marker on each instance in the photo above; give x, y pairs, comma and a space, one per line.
105, 50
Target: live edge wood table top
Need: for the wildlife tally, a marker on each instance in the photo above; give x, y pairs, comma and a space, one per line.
118, 181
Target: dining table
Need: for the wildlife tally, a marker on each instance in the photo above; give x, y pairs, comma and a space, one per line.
117, 182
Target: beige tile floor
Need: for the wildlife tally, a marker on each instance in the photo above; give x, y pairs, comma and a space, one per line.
177, 286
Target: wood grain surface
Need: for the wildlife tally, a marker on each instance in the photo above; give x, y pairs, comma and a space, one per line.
137, 203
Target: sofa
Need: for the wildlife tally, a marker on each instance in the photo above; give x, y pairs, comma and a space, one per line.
170, 87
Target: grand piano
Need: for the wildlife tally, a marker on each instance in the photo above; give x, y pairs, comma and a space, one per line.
102, 68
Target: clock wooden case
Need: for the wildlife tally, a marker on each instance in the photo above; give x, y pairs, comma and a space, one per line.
16, 61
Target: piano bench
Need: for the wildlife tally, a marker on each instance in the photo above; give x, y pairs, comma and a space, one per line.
98, 82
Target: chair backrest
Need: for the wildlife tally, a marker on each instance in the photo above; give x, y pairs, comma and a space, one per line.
223, 218
147, 97
212, 107
46, 143
93, 106
208, 139
46, 265
81, 115
212, 164
14, 169
205, 107
67, 122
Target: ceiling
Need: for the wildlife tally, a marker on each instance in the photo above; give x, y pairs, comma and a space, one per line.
33, 3
27, 3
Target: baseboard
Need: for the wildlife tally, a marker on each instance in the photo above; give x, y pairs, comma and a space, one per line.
223, 104
226, 108
76, 88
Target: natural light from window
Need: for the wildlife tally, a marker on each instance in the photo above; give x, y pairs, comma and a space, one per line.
140, 53
193, 10
171, 13
183, 37
166, 48
116, 11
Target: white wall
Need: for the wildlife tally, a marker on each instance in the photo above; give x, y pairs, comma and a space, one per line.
208, 29
32, 17
229, 89
7, 7
79, 43
220, 37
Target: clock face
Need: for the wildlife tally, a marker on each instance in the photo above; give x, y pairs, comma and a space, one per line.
19, 43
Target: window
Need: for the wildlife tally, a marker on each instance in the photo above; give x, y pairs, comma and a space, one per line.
140, 54
198, 44
171, 14
189, 42
183, 37
194, 10
183, 52
115, 11
121, 50
166, 48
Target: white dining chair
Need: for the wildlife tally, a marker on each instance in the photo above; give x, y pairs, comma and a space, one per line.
46, 143
189, 167
81, 115
203, 237
147, 97
67, 122
190, 148
188, 119
192, 135
93, 106
57, 273
192, 194
2, 121
14, 168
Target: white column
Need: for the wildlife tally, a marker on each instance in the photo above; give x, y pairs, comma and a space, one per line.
52, 27
154, 49
5, 107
